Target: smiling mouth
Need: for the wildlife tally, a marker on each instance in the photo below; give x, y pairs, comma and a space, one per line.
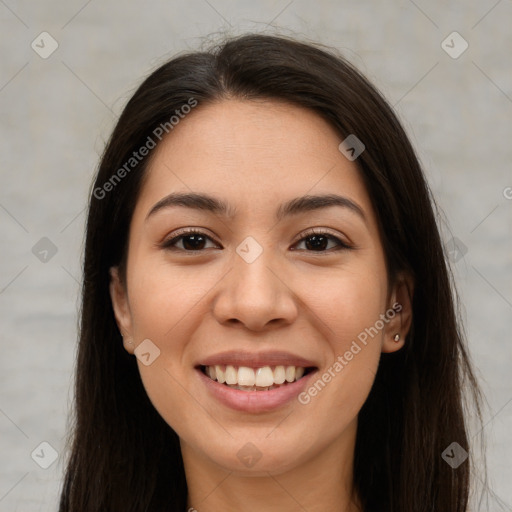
263, 378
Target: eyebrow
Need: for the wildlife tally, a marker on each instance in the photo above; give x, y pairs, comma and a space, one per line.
295, 206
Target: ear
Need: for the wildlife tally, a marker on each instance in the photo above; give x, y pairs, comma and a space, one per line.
121, 308
399, 313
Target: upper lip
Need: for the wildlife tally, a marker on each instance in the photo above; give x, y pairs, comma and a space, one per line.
256, 359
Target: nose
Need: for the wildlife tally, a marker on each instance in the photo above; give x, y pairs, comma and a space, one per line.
255, 295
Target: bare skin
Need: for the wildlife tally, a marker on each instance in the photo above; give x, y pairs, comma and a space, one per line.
312, 303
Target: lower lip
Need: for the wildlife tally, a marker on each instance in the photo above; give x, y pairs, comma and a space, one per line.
255, 401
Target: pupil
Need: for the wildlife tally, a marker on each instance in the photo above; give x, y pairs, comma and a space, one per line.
197, 241
316, 242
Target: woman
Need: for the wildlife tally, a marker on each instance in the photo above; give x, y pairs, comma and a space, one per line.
267, 320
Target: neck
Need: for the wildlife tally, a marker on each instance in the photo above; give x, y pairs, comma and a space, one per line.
323, 482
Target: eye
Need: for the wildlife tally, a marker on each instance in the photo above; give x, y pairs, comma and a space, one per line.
193, 240
317, 241
190, 239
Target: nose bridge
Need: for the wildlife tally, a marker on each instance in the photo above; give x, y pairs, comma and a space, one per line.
256, 276
254, 292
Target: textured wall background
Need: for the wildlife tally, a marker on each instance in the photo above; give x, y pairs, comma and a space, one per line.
57, 111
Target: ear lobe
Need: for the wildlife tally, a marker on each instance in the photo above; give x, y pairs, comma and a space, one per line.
121, 308
400, 322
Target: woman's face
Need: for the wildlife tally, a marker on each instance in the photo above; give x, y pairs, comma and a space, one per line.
256, 298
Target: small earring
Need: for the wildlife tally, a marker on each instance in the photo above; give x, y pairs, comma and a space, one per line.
396, 338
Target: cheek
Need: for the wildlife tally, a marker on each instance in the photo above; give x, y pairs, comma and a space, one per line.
161, 296
349, 304
347, 300
167, 305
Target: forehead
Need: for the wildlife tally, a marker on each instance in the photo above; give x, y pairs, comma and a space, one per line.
255, 154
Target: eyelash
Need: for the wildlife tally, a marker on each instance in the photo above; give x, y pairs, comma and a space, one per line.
169, 244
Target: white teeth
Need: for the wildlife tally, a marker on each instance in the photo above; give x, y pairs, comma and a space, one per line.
221, 376
264, 377
246, 376
252, 379
231, 375
279, 375
290, 373
212, 372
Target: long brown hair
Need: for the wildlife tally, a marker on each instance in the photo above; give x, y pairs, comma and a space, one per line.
123, 456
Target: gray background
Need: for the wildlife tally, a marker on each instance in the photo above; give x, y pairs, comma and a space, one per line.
57, 113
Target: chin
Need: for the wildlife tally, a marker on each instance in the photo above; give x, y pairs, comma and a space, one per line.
258, 457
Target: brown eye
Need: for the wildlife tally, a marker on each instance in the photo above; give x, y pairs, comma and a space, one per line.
190, 241
319, 241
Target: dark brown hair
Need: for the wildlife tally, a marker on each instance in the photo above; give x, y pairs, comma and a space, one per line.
123, 455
